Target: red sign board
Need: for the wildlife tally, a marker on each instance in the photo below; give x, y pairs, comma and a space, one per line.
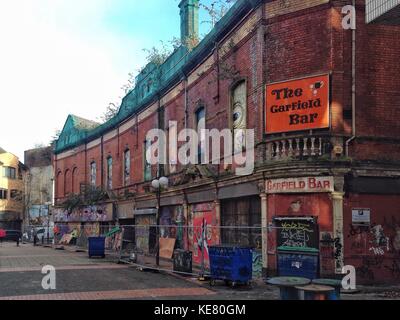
298, 105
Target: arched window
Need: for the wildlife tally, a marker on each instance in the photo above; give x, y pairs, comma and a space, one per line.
75, 186
200, 127
67, 182
59, 185
146, 162
93, 173
127, 167
109, 172
239, 115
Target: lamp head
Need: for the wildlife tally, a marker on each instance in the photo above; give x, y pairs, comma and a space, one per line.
164, 182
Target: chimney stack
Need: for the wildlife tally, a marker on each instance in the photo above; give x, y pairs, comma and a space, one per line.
189, 20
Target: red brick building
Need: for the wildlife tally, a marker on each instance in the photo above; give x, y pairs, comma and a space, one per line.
331, 170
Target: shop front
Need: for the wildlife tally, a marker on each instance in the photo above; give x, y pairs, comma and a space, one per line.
145, 227
300, 234
241, 220
83, 222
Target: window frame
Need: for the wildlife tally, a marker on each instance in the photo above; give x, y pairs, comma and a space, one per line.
3, 194
147, 168
93, 173
200, 156
109, 173
7, 170
127, 173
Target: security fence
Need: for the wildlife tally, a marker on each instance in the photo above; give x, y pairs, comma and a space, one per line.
186, 249
201, 249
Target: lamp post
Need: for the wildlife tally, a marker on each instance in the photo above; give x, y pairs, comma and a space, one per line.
158, 184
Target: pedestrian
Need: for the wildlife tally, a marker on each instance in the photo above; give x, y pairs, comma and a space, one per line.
34, 237
18, 236
3, 234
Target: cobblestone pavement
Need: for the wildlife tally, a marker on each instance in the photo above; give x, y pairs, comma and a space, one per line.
81, 278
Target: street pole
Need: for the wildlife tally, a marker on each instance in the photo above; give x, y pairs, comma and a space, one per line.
48, 224
158, 226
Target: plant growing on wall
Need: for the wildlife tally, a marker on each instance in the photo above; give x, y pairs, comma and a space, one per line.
89, 196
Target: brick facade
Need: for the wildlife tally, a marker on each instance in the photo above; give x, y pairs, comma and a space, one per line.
275, 41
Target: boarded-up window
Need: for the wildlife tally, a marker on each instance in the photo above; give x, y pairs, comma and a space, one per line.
241, 222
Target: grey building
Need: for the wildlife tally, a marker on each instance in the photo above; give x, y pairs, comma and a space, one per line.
383, 11
39, 185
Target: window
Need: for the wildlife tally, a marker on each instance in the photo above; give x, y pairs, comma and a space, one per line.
16, 195
161, 125
127, 167
239, 115
3, 194
93, 174
74, 180
67, 182
173, 147
147, 165
9, 172
244, 217
60, 190
201, 126
109, 173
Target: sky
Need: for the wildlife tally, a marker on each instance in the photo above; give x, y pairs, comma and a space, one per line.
61, 57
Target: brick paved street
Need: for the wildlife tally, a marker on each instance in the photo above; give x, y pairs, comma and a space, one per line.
80, 278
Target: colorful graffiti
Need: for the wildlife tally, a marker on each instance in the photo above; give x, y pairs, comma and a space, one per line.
203, 237
257, 264
172, 222
97, 213
145, 233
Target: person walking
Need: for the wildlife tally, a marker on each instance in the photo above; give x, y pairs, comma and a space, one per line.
2, 235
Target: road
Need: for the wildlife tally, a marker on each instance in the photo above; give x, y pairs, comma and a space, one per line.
81, 278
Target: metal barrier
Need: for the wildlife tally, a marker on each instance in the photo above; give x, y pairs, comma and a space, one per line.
185, 250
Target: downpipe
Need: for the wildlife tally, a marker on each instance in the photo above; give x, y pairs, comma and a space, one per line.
353, 87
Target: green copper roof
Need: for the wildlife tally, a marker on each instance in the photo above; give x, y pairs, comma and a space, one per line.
152, 82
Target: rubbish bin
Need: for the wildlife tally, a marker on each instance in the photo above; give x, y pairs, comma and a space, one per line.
97, 247
231, 264
298, 264
183, 261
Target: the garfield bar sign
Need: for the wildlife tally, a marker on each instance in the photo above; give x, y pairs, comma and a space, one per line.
298, 105
300, 185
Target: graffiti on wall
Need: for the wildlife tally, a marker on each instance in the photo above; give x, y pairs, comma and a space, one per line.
96, 213
257, 264
378, 246
145, 233
297, 234
172, 223
203, 236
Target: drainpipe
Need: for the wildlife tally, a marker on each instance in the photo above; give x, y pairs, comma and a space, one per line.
185, 79
353, 88
102, 162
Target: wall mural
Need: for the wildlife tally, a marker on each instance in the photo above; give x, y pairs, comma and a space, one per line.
202, 217
172, 223
97, 213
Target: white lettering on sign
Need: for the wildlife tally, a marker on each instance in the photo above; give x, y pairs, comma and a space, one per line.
301, 185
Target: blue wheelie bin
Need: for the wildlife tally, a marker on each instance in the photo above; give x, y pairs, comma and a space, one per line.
97, 247
232, 264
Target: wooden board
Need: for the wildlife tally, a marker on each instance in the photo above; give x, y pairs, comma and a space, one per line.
167, 246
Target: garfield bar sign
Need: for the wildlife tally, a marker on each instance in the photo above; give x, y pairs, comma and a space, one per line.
300, 185
298, 105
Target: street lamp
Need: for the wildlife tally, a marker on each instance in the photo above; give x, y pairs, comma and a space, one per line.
158, 184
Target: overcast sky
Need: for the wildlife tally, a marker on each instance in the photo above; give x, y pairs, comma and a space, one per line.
60, 57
